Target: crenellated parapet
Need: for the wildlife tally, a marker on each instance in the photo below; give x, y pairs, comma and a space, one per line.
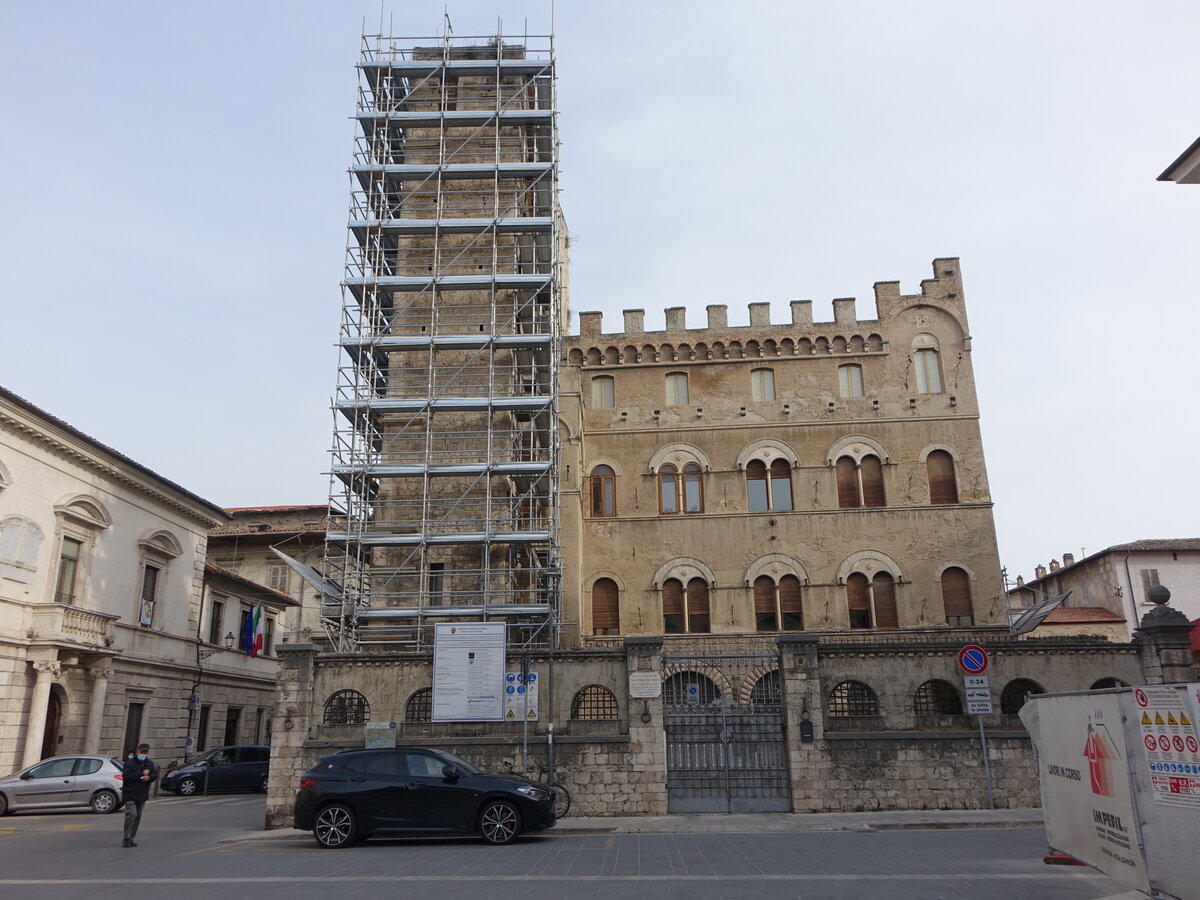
762, 338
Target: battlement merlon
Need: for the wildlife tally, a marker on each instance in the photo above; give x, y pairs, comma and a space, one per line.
944, 291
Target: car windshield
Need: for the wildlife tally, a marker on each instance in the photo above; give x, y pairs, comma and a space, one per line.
460, 763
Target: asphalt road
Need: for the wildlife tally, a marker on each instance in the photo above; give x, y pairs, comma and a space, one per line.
202, 848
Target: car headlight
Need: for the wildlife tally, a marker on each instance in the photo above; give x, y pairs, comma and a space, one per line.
536, 794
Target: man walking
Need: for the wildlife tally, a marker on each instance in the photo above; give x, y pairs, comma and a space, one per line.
138, 773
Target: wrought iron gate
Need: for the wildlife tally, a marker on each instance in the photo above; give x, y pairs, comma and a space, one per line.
726, 750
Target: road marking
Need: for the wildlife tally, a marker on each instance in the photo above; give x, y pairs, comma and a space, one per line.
74, 827
611, 842
396, 879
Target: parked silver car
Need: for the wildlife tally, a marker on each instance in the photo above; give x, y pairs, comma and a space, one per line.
93, 781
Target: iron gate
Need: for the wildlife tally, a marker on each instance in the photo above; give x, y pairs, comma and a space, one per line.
726, 749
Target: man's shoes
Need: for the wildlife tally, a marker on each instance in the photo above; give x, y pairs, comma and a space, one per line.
126, 843
132, 844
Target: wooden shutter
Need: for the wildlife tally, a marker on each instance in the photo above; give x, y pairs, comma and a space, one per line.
790, 604
884, 590
605, 608
847, 484
872, 481
697, 605
764, 604
956, 596
672, 599
942, 486
858, 599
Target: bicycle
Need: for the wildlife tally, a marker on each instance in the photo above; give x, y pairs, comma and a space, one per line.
562, 797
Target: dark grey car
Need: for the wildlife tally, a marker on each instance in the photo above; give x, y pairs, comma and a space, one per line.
93, 781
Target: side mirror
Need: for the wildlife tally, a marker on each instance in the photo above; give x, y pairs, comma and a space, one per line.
25, 776
450, 772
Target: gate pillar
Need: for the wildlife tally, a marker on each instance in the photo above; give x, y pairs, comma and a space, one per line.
647, 738
808, 762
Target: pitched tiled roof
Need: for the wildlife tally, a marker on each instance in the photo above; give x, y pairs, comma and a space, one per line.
1073, 615
234, 510
1164, 544
276, 596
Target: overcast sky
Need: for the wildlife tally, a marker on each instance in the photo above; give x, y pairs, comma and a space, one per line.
174, 201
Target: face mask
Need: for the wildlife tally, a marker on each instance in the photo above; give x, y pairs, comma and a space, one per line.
141, 757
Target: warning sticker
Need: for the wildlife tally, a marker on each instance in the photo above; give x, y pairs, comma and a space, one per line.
1171, 746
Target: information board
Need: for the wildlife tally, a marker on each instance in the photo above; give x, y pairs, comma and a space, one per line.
468, 672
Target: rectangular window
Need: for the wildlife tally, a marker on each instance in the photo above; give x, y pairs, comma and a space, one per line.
258, 725
245, 632
677, 389
216, 621
850, 382
693, 495
149, 590
762, 385
277, 577
929, 377
1149, 580
604, 395
268, 637
436, 582
133, 726
667, 491
202, 729
231, 725
68, 570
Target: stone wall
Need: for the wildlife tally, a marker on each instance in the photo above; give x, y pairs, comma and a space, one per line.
896, 760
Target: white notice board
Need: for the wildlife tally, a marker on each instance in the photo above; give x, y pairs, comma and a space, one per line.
468, 672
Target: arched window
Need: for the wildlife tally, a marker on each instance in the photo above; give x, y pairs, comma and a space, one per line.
852, 698
767, 691
685, 611
850, 381
926, 364
937, 698
778, 606
860, 484
690, 689
606, 612
762, 385
943, 487
419, 708
347, 708
1105, 684
677, 389
769, 488
604, 392
1012, 698
604, 491
872, 603
956, 597
668, 489
593, 703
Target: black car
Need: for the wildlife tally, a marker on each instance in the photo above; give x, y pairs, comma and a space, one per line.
351, 796
222, 769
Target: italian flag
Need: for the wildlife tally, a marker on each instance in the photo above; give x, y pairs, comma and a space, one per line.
256, 631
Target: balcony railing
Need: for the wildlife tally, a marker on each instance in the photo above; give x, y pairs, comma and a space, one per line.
70, 624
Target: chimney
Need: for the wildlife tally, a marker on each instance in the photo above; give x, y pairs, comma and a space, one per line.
1020, 581
1068, 559
1039, 572
1054, 566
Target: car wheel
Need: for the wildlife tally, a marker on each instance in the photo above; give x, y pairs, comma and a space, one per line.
4, 810
262, 785
334, 826
499, 822
103, 802
187, 787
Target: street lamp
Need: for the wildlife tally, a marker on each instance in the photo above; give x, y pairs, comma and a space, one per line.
206, 653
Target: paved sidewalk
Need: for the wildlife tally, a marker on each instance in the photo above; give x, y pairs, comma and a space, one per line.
747, 823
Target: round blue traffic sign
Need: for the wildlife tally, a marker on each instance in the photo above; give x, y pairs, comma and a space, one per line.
973, 659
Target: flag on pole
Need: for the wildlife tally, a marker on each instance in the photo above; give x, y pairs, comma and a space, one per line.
256, 631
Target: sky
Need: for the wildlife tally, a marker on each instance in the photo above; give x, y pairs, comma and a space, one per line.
173, 198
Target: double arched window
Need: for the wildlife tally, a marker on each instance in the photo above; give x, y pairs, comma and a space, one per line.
606, 610
956, 597
769, 487
943, 486
603, 491
680, 492
777, 606
860, 483
872, 602
685, 610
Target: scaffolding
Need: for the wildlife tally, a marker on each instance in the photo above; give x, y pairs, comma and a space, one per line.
445, 453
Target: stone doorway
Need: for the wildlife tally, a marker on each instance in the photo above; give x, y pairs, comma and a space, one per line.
54, 709
726, 747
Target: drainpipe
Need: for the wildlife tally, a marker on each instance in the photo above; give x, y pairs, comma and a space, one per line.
1129, 584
